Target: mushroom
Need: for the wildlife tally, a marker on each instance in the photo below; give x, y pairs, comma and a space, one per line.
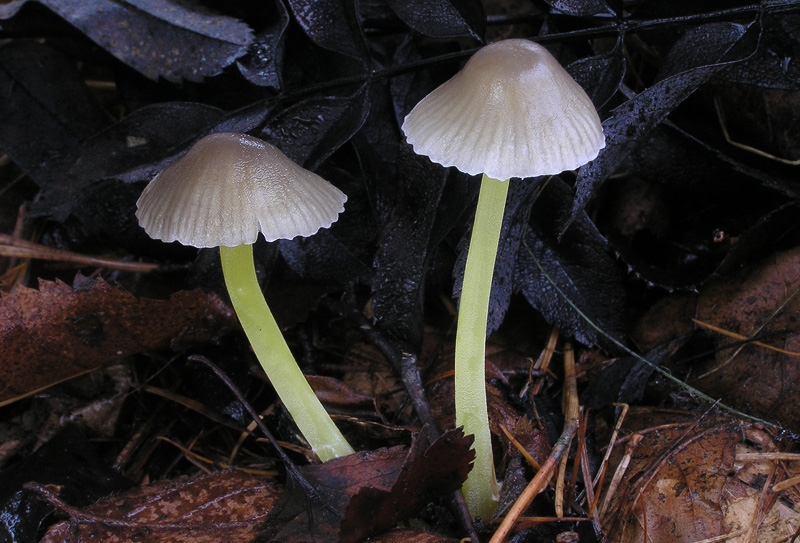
224, 190
512, 111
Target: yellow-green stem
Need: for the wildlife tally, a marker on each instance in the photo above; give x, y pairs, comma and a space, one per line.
275, 357
480, 489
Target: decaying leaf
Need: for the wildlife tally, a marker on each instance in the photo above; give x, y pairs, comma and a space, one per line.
405, 535
224, 506
69, 462
61, 331
368, 492
762, 302
691, 481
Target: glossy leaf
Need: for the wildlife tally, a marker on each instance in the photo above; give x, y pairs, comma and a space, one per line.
442, 18
687, 67
263, 63
192, 44
312, 130
41, 125
574, 283
331, 24
579, 8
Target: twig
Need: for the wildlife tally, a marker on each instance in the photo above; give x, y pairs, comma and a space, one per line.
588, 488
622, 467
287, 462
543, 362
601, 473
537, 483
525, 454
571, 408
11, 246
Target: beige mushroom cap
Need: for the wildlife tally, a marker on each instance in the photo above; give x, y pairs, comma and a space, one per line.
512, 111
229, 186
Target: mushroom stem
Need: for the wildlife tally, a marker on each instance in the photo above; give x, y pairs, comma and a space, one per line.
275, 357
480, 490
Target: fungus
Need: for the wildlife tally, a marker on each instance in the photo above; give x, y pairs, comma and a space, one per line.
512, 111
224, 190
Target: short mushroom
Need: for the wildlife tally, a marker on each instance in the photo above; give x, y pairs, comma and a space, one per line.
512, 111
224, 190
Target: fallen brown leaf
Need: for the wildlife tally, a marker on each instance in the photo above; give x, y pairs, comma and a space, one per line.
762, 300
404, 535
685, 484
353, 497
224, 506
61, 331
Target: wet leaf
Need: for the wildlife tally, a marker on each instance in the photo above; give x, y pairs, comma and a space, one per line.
332, 24
223, 506
428, 470
442, 18
160, 123
601, 75
689, 482
573, 282
624, 381
697, 56
59, 332
145, 136
263, 63
312, 130
771, 66
368, 492
401, 261
761, 300
68, 461
580, 8
192, 44
331, 257
41, 125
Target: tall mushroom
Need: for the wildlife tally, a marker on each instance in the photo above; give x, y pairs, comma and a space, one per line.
512, 111
224, 190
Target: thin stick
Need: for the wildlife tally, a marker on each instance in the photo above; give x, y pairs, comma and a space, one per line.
591, 498
601, 473
11, 246
543, 362
525, 454
537, 483
571, 408
622, 467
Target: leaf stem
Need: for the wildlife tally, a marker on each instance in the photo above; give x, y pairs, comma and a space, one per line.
480, 489
275, 357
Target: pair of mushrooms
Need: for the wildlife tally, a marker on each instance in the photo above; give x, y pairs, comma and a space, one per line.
512, 111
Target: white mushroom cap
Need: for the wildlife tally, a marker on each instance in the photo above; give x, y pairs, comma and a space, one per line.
512, 111
229, 186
